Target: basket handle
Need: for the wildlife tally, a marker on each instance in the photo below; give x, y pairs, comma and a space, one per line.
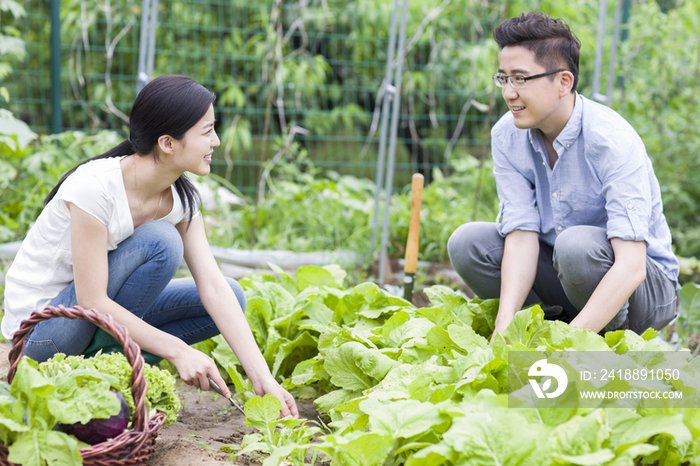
132, 351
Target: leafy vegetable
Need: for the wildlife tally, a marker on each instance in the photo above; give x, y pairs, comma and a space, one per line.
290, 440
425, 386
100, 430
161, 395
37, 403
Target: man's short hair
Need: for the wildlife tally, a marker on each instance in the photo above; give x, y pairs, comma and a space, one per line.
551, 40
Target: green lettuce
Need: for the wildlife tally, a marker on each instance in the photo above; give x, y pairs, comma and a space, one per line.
161, 394
429, 386
35, 403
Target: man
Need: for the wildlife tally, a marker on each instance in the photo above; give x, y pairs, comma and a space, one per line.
582, 228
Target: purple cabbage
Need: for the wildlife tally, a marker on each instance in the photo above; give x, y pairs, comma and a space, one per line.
100, 430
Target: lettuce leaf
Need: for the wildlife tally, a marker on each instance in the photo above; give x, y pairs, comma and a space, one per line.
160, 396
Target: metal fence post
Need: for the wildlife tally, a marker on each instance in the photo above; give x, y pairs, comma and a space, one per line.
147, 42
613, 50
395, 114
596, 95
602, 14
389, 92
56, 113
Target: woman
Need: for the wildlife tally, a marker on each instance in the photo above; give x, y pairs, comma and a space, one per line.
113, 234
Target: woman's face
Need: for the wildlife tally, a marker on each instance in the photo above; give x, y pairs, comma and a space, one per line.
197, 146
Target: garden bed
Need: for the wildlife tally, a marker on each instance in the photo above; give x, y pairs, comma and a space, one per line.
205, 424
434, 362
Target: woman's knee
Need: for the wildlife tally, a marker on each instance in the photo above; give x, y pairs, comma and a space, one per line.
58, 335
238, 291
164, 239
166, 234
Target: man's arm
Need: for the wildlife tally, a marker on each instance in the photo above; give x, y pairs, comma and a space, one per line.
618, 284
518, 269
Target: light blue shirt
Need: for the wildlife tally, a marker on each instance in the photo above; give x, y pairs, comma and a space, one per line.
603, 177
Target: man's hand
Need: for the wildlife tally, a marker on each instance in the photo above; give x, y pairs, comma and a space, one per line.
502, 322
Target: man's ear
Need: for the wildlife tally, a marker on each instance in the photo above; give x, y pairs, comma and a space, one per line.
165, 144
566, 82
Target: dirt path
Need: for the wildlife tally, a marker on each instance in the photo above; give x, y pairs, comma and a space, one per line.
204, 425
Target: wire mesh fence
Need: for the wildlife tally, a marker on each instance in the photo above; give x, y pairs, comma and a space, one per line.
322, 70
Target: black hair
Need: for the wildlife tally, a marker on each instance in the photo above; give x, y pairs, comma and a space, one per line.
171, 105
551, 40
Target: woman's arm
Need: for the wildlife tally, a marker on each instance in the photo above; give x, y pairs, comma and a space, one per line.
223, 307
91, 274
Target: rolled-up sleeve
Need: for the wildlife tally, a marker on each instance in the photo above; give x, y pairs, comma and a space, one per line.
516, 194
625, 177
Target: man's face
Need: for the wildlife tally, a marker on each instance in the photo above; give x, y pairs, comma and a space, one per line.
535, 104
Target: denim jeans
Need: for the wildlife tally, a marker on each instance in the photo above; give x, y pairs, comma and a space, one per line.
567, 274
141, 272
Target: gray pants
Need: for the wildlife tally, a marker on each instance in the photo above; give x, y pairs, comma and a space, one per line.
566, 275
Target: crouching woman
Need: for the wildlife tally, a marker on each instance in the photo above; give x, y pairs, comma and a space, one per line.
113, 234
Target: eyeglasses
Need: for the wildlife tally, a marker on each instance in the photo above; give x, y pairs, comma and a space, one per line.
518, 81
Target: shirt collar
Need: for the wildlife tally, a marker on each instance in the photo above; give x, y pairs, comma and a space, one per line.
571, 131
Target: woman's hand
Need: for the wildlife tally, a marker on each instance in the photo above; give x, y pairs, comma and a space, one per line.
270, 385
196, 367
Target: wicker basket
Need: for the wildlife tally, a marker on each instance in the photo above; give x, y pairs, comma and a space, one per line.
129, 448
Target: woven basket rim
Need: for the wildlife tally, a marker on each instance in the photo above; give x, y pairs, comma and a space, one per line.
133, 446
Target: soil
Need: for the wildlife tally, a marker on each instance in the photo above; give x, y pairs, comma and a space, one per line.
205, 424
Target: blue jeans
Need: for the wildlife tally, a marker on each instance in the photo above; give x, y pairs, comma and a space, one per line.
141, 280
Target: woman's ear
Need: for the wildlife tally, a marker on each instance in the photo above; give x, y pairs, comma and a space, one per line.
566, 83
165, 144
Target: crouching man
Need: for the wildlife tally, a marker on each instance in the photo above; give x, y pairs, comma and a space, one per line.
581, 228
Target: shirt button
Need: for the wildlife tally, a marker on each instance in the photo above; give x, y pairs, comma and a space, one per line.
630, 207
568, 145
554, 194
544, 163
559, 228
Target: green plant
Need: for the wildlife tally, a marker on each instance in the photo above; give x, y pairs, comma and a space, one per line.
161, 395
306, 213
15, 139
424, 386
406, 385
35, 403
688, 324
662, 108
280, 438
12, 47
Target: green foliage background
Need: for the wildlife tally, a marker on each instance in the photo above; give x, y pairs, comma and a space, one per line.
329, 64
318, 195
